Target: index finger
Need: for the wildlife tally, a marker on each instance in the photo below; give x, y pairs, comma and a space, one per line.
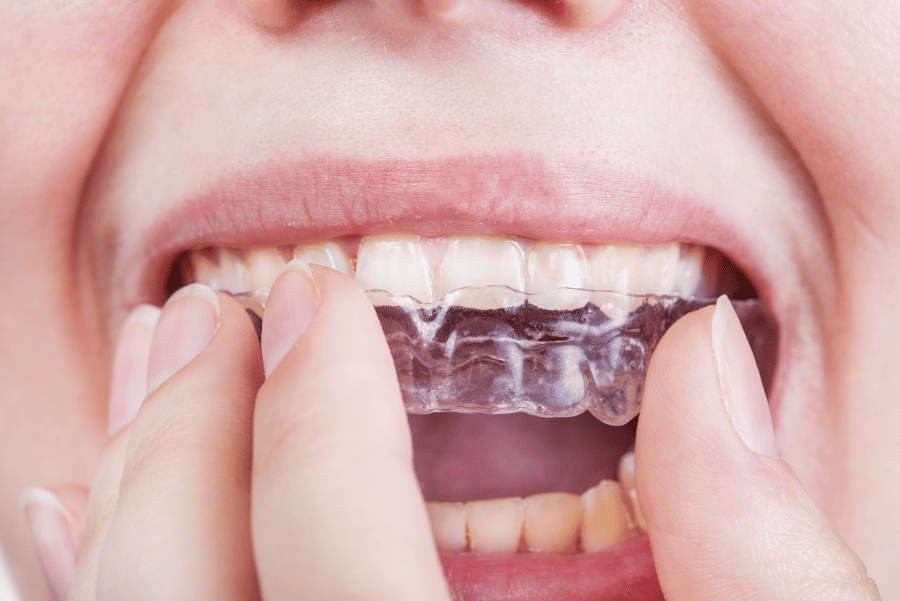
337, 511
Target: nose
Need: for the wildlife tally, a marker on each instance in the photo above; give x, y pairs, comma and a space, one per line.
283, 14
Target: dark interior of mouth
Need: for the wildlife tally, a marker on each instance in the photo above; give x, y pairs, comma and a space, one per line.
466, 457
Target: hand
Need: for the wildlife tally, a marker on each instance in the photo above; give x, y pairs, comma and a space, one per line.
727, 518
170, 516
302, 490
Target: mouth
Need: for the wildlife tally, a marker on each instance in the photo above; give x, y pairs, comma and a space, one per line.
535, 506
505, 485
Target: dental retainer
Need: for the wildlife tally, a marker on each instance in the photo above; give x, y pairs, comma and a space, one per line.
549, 363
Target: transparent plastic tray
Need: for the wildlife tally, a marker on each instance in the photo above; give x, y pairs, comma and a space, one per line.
526, 358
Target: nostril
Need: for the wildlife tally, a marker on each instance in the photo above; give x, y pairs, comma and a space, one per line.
412, 10
590, 13
271, 14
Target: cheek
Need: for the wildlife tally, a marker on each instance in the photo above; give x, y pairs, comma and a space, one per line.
53, 352
828, 78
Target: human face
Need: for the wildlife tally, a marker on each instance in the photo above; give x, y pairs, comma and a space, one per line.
133, 132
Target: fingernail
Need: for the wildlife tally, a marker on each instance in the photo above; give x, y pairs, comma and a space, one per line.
50, 525
187, 324
129, 374
742, 390
290, 309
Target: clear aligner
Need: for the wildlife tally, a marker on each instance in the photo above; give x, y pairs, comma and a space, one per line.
525, 358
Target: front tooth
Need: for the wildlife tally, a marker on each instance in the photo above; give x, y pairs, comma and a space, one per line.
232, 270
626, 471
396, 264
206, 270
626, 481
264, 265
606, 518
553, 267
639, 520
495, 526
616, 271
618, 268
327, 254
661, 268
552, 522
479, 261
690, 270
448, 524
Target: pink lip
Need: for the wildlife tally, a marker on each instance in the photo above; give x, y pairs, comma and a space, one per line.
522, 195
624, 572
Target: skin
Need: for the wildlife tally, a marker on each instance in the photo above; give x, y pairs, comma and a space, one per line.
781, 114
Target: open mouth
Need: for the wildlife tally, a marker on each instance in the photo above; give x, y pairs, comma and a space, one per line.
521, 506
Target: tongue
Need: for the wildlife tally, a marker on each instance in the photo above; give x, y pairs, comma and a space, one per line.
466, 457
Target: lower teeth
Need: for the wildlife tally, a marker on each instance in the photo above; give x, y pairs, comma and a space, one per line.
524, 358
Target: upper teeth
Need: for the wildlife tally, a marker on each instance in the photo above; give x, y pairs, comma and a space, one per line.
494, 270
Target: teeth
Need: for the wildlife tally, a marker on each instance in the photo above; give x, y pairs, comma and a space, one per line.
495, 526
482, 261
555, 275
617, 268
396, 264
626, 471
690, 270
552, 523
626, 479
661, 268
326, 254
448, 524
264, 265
606, 517
223, 269
639, 521
206, 270
543, 523
552, 267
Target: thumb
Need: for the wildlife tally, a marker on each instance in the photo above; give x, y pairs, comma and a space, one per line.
726, 518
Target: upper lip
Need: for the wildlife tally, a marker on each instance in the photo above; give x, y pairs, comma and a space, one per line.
521, 195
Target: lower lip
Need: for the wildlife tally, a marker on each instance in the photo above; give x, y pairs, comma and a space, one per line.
621, 573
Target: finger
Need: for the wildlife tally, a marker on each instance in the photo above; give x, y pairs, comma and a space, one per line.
337, 512
104, 494
180, 529
726, 518
89, 520
55, 520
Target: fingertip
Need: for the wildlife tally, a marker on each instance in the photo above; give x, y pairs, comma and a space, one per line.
290, 309
188, 321
128, 385
55, 520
